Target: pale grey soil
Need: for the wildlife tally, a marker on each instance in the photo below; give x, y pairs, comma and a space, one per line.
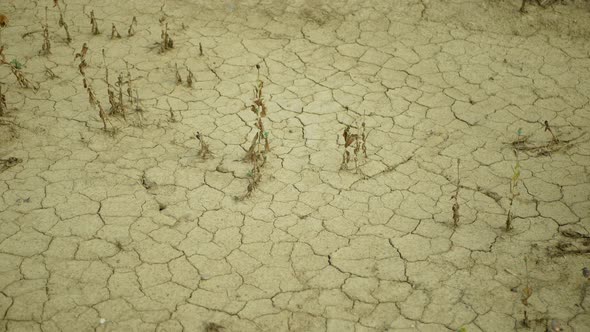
131, 230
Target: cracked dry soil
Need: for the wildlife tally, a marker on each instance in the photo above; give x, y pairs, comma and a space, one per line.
131, 229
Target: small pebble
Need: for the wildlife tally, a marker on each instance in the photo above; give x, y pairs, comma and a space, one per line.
102, 321
586, 272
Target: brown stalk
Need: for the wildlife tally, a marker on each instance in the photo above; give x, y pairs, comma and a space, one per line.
189, 78
3, 107
204, 152
46, 47
62, 22
131, 30
94, 24
178, 77
114, 32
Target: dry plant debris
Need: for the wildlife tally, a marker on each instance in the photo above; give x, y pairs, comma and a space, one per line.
204, 151
46, 47
93, 24
513, 192
131, 30
62, 22
189, 78
3, 107
260, 145
355, 142
167, 42
114, 32
15, 67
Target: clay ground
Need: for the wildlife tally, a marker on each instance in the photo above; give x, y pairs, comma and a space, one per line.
131, 230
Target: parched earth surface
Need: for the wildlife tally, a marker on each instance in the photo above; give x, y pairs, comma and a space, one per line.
132, 230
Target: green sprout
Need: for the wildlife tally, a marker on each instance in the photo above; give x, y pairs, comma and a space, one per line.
16, 64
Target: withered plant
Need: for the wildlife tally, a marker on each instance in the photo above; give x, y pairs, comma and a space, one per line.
82, 55
46, 47
455, 197
50, 74
131, 30
62, 22
167, 42
204, 152
260, 145
96, 103
200, 49
189, 78
178, 77
114, 32
93, 24
15, 68
355, 142
3, 107
554, 138
129, 86
513, 191
522, 144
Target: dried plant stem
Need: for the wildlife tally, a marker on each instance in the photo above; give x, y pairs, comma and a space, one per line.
22, 80
200, 49
548, 128
357, 141
131, 30
178, 77
167, 42
3, 107
204, 151
129, 86
62, 22
260, 145
189, 78
114, 32
513, 193
46, 47
94, 24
